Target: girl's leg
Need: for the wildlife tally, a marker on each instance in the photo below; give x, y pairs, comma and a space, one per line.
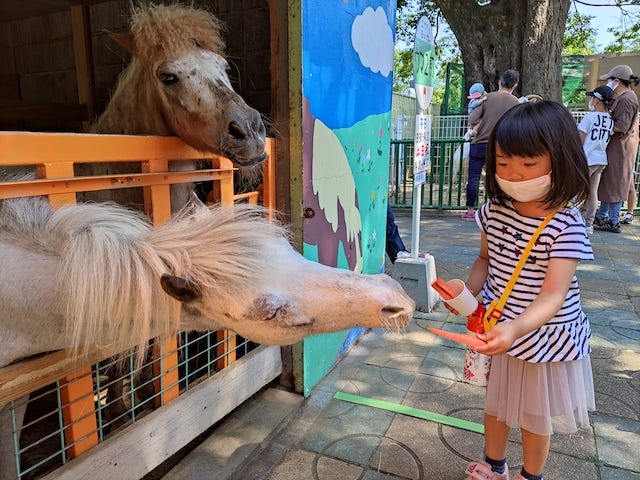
496, 434
535, 449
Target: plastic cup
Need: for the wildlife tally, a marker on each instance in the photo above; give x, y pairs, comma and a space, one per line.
465, 303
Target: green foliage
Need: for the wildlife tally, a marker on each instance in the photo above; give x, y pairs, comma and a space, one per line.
579, 36
446, 45
626, 39
580, 39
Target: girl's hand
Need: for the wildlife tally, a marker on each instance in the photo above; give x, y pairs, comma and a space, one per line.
499, 339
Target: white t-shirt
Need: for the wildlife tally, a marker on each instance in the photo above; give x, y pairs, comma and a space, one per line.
565, 337
598, 128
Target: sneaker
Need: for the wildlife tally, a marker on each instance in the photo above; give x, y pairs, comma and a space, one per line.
482, 471
627, 219
469, 216
589, 230
599, 221
403, 254
609, 226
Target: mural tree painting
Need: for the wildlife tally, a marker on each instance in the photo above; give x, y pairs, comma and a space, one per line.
525, 34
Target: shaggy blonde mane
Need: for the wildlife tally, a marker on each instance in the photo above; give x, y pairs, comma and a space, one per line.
159, 32
111, 261
162, 31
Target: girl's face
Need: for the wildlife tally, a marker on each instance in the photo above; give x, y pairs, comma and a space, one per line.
518, 169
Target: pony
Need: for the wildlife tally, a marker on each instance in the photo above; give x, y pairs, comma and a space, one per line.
176, 84
90, 275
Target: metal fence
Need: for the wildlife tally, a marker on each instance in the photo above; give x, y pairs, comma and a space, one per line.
445, 186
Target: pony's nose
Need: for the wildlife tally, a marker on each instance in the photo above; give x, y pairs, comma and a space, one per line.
243, 126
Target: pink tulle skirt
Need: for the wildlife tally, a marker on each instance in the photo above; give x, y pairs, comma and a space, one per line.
541, 398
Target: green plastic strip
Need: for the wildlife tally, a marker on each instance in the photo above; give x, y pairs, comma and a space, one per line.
412, 412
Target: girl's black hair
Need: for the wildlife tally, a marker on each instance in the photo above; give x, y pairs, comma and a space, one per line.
535, 128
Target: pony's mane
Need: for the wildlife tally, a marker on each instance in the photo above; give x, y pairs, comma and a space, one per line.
160, 31
111, 261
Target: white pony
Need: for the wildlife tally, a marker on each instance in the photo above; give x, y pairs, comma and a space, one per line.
91, 274
87, 275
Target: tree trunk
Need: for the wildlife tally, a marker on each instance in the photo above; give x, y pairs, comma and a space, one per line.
522, 34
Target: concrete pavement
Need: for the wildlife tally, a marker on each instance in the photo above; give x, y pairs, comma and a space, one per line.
279, 435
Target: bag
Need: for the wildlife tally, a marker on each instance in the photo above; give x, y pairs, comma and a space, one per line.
477, 366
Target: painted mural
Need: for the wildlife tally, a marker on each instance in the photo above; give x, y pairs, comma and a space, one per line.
347, 58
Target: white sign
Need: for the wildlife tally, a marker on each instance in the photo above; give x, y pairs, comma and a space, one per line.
424, 64
422, 149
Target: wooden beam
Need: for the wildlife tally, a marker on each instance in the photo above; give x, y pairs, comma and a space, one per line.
83, 53
23, 110
29, 148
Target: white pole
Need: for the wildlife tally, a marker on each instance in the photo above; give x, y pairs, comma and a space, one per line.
415, 220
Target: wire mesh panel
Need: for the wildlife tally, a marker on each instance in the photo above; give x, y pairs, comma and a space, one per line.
121, 395
446, 184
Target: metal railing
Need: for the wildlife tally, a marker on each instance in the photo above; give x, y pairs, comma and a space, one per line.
445, 186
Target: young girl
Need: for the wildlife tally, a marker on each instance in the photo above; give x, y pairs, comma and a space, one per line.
595, 129
541, 378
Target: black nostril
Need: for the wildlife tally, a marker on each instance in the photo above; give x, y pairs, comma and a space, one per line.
236, 131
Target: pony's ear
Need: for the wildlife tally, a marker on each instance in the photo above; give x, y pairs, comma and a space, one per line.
125, 40
180, 288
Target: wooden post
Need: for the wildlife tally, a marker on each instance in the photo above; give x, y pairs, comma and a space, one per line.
78, 412
157, 205
76, 391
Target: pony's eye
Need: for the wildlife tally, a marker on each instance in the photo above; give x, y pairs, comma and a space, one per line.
168, 79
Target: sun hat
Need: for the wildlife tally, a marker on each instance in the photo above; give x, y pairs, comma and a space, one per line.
476, 90
623, 72
602, 93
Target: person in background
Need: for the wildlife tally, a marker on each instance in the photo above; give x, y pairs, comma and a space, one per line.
394, 245
476, 96
485, 117
621, 151
631, 203
541, 378
595, 129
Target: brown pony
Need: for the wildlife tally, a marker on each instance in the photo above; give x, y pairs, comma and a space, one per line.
177, 84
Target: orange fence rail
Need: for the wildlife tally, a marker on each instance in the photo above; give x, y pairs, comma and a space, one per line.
53, 155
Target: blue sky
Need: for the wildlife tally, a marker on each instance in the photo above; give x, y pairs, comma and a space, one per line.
605, 17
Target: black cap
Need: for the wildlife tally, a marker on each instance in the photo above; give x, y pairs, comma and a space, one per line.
602, 93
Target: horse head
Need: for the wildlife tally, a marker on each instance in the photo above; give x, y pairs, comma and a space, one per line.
260, 287
177, 84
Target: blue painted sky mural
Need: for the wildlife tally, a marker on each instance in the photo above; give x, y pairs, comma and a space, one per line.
348, 59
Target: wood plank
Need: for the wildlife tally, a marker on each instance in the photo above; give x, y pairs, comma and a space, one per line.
83, 54
105, 182
22, 378
78, 411
49, 171
138, 449
30, 148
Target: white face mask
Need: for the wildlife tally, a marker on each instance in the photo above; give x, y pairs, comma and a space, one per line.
526, 190
613, 84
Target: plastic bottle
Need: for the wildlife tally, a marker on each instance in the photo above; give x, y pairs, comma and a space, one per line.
476, 365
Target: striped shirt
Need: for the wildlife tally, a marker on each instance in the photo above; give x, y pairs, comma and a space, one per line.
565, 337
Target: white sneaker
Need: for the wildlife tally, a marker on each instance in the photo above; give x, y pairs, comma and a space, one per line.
403, 254
589, 230
627, 219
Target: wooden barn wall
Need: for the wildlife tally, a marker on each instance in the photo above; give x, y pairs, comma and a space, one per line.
37, 58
